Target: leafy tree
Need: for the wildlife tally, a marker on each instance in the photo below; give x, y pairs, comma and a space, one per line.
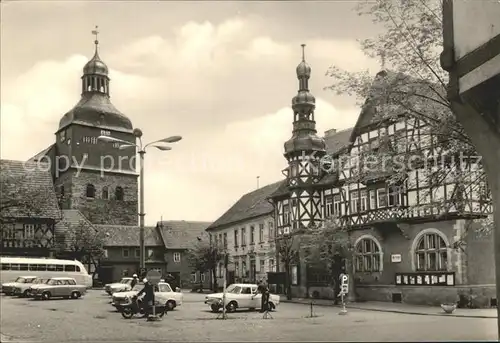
205, 257
327, 246
415, 87
287, 246
82, 242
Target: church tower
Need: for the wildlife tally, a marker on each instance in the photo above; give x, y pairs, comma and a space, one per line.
303, 152
90, 175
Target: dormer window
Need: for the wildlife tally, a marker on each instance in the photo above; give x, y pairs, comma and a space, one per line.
90, 191
62, 136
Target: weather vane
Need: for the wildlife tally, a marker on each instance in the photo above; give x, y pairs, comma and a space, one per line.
95, 33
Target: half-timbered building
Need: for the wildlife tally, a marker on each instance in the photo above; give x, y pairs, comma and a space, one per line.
413, 237
29, 209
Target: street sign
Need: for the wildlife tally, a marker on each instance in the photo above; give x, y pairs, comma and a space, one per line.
344, 284
153, 276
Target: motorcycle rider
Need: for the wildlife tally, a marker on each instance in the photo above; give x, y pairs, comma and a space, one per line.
149, 296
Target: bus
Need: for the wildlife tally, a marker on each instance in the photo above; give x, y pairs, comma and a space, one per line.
14, 267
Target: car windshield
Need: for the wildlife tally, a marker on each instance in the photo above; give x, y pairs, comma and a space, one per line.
126, 281
40, 281
233, 289
20, 280
138, 287
164, 287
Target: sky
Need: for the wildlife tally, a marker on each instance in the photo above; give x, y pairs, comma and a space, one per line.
220, 74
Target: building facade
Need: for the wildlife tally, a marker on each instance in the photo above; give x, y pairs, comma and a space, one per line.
246, 233
29, 210
414, 241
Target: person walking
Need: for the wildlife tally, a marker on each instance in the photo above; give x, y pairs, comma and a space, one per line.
263, 289
135, 280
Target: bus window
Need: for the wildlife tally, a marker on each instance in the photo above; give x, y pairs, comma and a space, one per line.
51, 267
41, 267
23, 266
59, 267
5, 266
69, 268
14, 267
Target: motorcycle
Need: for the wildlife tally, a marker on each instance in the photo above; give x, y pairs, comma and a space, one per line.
137, 307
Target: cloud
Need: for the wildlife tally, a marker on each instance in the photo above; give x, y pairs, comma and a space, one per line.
223, 87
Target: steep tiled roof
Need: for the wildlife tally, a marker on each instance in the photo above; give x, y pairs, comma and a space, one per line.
29, 185
250, 205
336, 142
70, 218
180, 234
128, 236
42, 153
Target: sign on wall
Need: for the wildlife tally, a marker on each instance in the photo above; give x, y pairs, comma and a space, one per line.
396, 258
425, 279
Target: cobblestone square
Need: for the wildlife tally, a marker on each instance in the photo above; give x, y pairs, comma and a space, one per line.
93, 319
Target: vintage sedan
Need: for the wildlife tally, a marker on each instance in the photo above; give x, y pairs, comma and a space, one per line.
8, 287
123, 285
163, 294
240, 295
23, 289
58, 287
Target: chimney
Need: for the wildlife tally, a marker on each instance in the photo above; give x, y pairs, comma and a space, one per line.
330, 132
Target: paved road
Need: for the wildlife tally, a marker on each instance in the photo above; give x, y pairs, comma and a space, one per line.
92, 319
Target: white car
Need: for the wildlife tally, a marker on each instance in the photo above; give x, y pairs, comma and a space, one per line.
240, 295
123, 286
8, 287
163, 294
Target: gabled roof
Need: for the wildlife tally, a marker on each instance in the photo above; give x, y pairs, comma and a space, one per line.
70, 218
128, 236
42, 153
180, 234
29, 186
250, 205
338, 141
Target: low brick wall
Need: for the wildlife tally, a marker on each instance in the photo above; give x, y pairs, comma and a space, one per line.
480, 295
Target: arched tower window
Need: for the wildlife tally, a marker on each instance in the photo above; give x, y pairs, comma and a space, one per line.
368, 256
431, 253
90, 192
105, 193
119, 193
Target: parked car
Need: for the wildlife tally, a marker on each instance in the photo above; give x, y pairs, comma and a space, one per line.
123, 285
8, 287
163, 295
58, 287
23, 289
240, 295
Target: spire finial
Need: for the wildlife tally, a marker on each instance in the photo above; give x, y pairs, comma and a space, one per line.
95, 33
303, 52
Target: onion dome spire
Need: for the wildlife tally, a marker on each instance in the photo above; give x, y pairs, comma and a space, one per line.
304, 100
95, 72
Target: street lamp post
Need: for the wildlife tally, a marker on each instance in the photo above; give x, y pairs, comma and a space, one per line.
141, 151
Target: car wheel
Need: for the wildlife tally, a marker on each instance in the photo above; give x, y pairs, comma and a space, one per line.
170, 305
215, 308
46, 295
25, 294
75, 295
232, 306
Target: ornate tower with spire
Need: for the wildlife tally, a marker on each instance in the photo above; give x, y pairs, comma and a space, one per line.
90, 175
303, 152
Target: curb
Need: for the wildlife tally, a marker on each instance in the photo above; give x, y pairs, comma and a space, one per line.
395, 311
